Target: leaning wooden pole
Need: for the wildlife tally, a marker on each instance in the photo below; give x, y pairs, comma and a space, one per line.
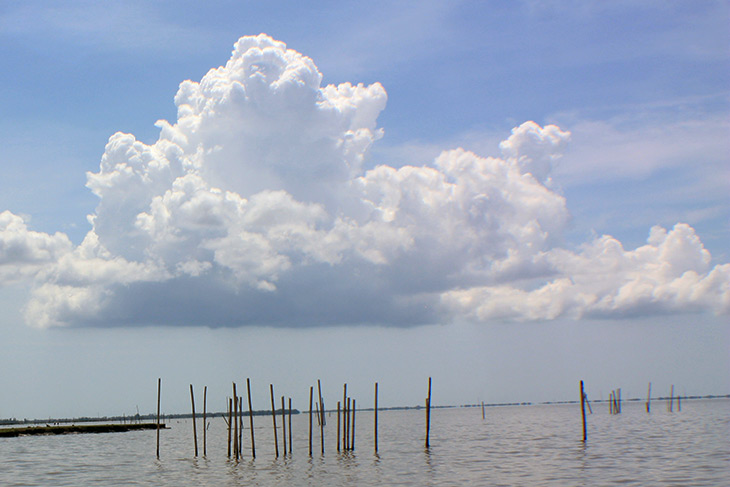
273, 418
250, 418
375, 419
311, 399
428, 413
583, 411
159, 385
195, 433
321, 414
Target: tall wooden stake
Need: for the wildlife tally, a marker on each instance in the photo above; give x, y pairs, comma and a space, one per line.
290, 441
428, 413
583, 411
671, 399
195, 433
354, 409
311, 403
236, 444
205, 400
338, 426
250, 418
159, 385
375, 419
321, 414
230, 424
283, 423
273, 418
484, 416
344, 422
648, 399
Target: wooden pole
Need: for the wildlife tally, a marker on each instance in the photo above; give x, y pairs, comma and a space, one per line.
428, 413
311, 399
159, 384
619, 400
205, 400
671, 398
321, 414
344, 423
347, 424
610, 403
230, 424
354, 409
273, 418
236, 444
375, 419
679, 404
338, 426
484, 416
648, 399
283, 423
290, 440
195, 433
240, 426
583, 411
250, 418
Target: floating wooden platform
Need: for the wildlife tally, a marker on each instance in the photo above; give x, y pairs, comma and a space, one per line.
77, 428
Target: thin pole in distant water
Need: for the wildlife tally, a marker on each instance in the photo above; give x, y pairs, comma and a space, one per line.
205, 399
354, 409
583, 411
484, 416
311, 403
236, 444
195, 433
375, 419
283, 423
671, 398
648, 399
159, 384
338, 426
290, 440
428, 413
321, 414
230, 424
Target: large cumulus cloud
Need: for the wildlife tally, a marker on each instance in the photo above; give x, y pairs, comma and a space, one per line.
255, 207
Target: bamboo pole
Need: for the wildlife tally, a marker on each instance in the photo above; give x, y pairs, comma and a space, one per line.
375, 419
250, 418
230, 424
583, 411
338, 426
195, 433
159, 385
273, 418
205, 400
354, 409
283, 423
290, 440
321, 414
428, 413
236, 444
648, 399
311, 399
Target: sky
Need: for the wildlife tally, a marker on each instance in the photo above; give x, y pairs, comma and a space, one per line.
508, 197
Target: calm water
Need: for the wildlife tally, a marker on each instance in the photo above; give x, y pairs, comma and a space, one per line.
531, 445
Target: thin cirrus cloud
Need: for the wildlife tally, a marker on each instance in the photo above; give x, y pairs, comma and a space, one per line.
254, 208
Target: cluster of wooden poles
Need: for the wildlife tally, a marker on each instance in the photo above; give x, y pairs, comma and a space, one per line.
345, 421
614, 403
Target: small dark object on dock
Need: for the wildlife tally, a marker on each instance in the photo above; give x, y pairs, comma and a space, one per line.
73, 429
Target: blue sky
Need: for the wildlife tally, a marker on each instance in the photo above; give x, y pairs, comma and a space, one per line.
637, 95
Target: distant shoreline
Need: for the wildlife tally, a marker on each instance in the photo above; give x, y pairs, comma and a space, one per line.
138, 418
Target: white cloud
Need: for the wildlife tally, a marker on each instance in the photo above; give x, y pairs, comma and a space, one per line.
254, 208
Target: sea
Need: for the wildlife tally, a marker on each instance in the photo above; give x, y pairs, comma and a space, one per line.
534, 445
